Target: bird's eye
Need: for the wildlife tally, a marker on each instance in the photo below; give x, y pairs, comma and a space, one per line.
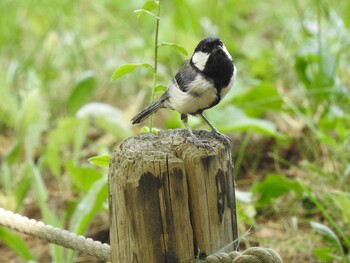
205, 49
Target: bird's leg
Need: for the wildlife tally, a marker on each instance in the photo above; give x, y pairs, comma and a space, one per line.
192, 138
214, 131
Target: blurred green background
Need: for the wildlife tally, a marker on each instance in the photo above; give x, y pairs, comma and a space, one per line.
288, 113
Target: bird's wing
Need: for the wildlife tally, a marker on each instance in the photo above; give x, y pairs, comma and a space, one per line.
185, 76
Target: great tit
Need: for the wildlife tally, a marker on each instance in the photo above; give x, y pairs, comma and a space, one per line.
201, 83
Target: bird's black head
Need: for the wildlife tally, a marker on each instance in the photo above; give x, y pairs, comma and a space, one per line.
208, 44
212, 59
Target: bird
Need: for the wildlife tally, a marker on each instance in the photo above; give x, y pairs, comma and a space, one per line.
202, 82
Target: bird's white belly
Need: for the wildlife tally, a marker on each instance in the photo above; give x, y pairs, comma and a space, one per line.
200, 96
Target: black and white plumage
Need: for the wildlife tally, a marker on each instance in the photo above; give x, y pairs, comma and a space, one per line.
201, 83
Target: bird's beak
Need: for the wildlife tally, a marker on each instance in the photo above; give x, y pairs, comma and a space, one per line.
217, 48
224, 50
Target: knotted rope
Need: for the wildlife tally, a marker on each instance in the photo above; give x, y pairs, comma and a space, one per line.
250, 255
102, 251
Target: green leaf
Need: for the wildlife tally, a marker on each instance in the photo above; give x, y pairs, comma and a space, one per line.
89, 205
42, 196
82, 92
175, 46
230, 118
246, 213
150, 5
14, 153
325, 254
146, 129
107, 118
326, 232
141, 11
101, 160
128, 68
32, 120
47, 213
341, 200
326, 72
160, 88
69, 131
22, 187
301, 66
16, 243
29, 111
147, 8
306, 63
8, 103
274, 186
259, 99
79, 138
82, 177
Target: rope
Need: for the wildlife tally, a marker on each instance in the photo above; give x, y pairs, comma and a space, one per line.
251, 255
54, 235
102, 251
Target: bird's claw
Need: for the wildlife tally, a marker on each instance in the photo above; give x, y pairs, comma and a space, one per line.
222, 137
199, 143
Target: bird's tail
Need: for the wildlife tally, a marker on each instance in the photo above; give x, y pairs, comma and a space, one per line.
155, 106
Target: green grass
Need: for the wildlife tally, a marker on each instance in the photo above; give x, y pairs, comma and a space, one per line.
288, 113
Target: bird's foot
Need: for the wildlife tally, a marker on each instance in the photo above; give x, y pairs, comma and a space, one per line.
199, 143
222, 137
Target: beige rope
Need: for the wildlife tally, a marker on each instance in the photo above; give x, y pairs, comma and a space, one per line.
102, 251
54, 235
251, 255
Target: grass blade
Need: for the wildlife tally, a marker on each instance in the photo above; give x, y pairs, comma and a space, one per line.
16, 243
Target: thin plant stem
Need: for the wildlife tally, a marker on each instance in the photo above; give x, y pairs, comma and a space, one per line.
319, 38
155, 63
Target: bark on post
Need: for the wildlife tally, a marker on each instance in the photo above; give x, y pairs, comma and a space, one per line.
169, 200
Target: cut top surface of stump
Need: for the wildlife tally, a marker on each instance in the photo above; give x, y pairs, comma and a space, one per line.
171, 141
170, 145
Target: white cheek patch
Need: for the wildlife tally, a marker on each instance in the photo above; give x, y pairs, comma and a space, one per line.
199, 59
226, 52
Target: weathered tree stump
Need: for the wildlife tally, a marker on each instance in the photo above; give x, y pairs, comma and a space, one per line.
170, 201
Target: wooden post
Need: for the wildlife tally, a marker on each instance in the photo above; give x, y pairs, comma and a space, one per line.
169, 200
